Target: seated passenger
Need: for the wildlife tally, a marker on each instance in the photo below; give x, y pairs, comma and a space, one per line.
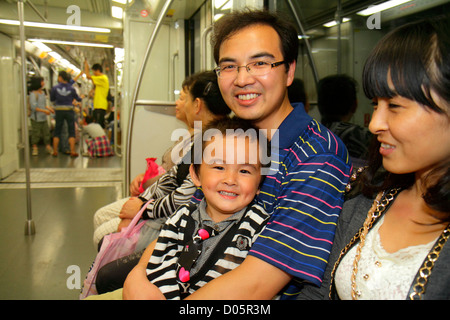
202, 241
203, 102
139, 184
337, 102
391, 238
97, 141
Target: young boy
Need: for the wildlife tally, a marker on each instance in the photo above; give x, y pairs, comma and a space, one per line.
200, 242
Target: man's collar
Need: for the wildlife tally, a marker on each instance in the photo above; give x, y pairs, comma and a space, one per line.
293, 125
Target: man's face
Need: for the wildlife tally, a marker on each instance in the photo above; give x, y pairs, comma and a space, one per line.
261, 99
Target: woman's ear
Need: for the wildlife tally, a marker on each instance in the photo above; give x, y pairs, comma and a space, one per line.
198, 105
194, 177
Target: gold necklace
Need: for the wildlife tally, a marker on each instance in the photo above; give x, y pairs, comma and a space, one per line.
372, 215
379, 205
418, 288
428, 264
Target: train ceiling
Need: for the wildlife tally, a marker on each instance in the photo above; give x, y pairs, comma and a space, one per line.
98, 13
86, 13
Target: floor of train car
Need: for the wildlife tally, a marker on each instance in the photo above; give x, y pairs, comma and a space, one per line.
65, 193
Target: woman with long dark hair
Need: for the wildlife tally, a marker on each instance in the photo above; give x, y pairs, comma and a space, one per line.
391, 239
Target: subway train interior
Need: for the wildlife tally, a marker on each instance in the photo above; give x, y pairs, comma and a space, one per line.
146, 48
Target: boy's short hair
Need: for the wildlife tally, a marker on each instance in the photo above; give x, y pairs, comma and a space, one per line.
222, 126
98, 67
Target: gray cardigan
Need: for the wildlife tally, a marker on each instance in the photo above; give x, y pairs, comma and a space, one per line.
351, 220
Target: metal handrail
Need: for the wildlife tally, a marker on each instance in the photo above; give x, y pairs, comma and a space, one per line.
174, 56
203, 50
29, 225
116, 113
308, 46
155, 103
162, 14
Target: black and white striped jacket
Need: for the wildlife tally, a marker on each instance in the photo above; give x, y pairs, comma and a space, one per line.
229, 252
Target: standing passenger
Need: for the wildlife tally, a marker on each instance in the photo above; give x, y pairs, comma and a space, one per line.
101, 84
39, 112
62, 95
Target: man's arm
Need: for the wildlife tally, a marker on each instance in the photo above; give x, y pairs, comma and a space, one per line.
86, 70
254, 279
77, 77
52, 95
137, 286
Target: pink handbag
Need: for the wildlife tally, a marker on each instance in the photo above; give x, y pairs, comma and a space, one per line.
114, 246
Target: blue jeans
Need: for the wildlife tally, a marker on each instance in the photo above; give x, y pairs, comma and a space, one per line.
60, 116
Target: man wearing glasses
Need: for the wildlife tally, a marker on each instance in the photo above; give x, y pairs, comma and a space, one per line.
256, 53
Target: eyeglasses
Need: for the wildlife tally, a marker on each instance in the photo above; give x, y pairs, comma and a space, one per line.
257, 68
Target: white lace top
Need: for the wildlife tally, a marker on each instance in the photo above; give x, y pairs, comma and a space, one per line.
381, 275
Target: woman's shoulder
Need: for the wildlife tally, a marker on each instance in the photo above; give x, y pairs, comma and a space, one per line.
357, 204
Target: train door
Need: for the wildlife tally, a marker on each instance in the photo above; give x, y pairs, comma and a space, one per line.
9, 105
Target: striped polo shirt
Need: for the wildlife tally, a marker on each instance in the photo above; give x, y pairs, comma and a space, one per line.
304, 195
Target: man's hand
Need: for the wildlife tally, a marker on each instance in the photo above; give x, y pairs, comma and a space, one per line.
137, 286
130, 208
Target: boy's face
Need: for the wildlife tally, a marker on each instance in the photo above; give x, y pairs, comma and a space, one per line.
260, 99
228, 185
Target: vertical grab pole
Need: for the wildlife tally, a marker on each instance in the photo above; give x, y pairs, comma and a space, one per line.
308, 46
204, 58
116, 112
136, 93
29, 226
175, 55
338, 18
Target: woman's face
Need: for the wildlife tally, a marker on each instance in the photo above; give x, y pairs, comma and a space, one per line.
180, 112
413, 137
